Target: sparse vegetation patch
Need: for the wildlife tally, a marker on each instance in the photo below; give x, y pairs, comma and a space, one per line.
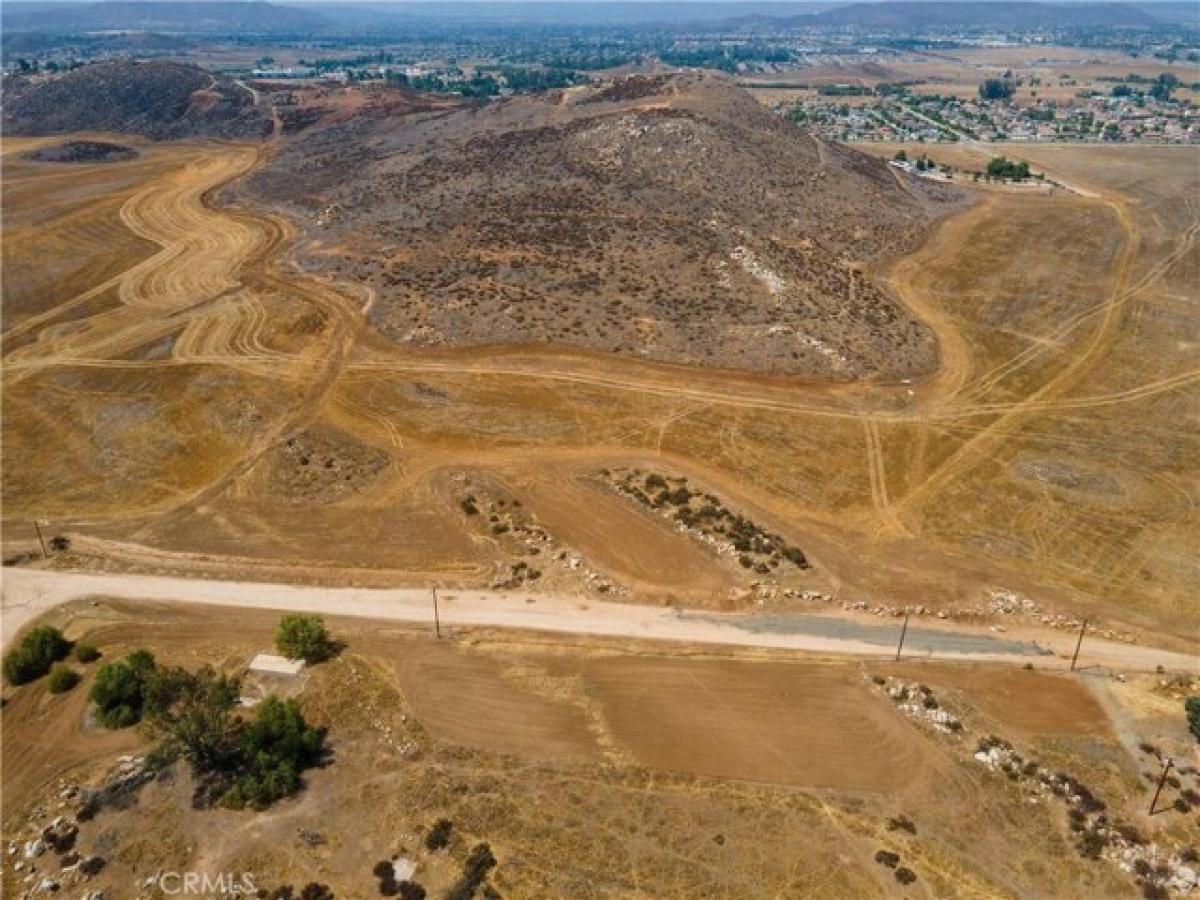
39, 649
704, 516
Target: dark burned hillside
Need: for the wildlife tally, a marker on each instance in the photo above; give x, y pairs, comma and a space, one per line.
668, 218
157, 99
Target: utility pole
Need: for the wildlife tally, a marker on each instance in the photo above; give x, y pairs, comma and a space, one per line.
903, 632
437, 622
37, 526
1167, 763
1078, 644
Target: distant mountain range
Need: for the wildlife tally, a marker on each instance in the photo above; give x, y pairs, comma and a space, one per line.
197, 16
260, 17
937, 14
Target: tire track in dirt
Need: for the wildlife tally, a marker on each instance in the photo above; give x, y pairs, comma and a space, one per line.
989, 440
889, 522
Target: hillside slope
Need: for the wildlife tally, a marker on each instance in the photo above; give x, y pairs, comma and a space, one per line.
670, 218
157, 99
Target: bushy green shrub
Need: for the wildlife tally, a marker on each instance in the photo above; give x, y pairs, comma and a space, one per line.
439, 835
480, 861
1192, 706
119, 692
39, 649
303, 637
86, 653
62, 679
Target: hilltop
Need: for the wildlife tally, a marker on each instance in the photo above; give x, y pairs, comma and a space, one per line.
156, 99
670, 218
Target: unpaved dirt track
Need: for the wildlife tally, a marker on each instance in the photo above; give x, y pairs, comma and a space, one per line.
29, 593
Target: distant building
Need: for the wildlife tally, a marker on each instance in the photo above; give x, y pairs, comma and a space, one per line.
274, 74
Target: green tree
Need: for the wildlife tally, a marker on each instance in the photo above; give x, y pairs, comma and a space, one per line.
1164, 86
120, 689
276, 746
303, 637
32, 658
193, 713
1192, 706
996, 89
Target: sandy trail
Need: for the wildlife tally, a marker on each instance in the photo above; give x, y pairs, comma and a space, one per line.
29, 593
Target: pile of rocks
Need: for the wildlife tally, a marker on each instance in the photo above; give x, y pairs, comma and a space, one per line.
1151, 865
510, 522
49, 861
917, 702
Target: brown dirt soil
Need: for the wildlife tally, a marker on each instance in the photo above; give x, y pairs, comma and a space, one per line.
634, 548
805, 725
1036, 703
463, 699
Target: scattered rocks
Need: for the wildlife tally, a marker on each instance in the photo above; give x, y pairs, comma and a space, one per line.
918, 702
706, 519
508, 522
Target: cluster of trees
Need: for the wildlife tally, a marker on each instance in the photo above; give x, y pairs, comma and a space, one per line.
1160, 89
1164, 85
726, 57
489, 84
843, 90
997, 89
42, 651
33, 657
1003, 167
922, 163
476, 86
240, 762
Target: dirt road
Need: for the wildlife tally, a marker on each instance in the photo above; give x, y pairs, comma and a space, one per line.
29, 593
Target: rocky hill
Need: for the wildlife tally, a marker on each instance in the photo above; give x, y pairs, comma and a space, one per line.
157, 99
670, 218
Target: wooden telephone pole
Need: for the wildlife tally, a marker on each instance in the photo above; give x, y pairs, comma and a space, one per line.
37, 526
1167, 763
437, 622
1078, 644
903, 632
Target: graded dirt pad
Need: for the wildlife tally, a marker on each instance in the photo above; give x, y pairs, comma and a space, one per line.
806, 724
1036, 703
464, 699
635, 549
